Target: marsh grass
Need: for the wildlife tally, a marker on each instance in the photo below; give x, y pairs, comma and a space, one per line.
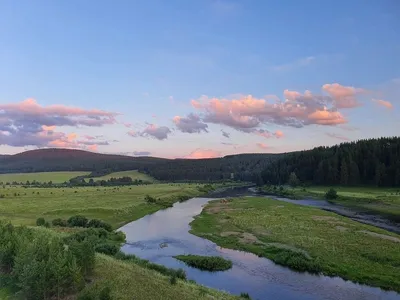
305, 239
206, 263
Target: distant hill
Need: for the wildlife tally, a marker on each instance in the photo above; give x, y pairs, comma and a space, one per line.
243, 166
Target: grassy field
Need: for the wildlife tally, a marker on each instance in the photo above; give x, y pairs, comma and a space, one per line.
382, 201
115, 205
128, 281
55, 177
304, 238
385, 201
132, 174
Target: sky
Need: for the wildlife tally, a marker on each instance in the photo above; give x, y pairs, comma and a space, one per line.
195, 79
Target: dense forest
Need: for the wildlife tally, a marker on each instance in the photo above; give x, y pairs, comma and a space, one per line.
243, 166
365, 162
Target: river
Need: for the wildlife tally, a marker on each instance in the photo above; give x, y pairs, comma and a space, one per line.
259, 277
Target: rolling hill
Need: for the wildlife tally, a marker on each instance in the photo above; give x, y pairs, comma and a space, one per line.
243, 166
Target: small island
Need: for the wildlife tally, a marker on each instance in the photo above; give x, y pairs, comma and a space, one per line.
206, 263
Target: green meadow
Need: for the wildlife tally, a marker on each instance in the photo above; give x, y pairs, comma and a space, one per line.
55, 177
114, 205
304, 238
132, 174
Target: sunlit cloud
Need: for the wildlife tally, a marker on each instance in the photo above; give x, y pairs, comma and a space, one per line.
262, 146
203, 153
383, 103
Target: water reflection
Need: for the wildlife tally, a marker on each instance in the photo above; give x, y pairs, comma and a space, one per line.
259, 277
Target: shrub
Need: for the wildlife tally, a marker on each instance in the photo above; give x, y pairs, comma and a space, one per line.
105, 294
331, 194
173, 279
118, 236
208, 263
245, 295
95, 223
59, 222
77, 221
150, 199
40, 222
107, 248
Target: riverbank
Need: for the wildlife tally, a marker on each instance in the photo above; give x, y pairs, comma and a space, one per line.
304, 238
384, 202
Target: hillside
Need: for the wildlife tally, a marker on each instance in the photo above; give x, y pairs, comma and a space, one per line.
365, 162
244, 166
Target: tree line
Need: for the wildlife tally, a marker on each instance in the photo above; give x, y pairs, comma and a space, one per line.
365, 162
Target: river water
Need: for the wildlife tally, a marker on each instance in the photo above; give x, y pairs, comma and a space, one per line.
259, 277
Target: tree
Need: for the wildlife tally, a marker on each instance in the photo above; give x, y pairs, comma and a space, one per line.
344, 174
293, 180
354, 174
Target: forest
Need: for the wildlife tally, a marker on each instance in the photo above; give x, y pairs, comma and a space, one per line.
243, 166
365, 162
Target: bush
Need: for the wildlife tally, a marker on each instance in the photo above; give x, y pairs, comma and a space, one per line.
77, 221
118, 236
173, 279
208, 263
150, 199
95, 223
331, 194
245, 295
59, 222
40, 222
107, 248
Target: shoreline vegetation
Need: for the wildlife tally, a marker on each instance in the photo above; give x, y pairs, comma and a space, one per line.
304, 239
371, 200
206, 263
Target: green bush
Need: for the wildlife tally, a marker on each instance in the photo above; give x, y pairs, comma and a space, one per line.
77, 221
40, 222
59, 222
208, 263
245, 295
173, 279
107, 248
95, 223
150, 199
331, 194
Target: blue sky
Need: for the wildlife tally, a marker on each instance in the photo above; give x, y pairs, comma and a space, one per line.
146, 61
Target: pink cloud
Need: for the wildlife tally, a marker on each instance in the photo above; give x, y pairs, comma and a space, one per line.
48, 128
343, 96
262, 145
127, 125
247, 113
279, 134
383, 103
203, 153
92, 148
325, 117
337, 136
29, 124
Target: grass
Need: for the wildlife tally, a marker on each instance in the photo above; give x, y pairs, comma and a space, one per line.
114, 205
382, 201
55, 177
206, 263
128, 281
132, 174
304, 238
